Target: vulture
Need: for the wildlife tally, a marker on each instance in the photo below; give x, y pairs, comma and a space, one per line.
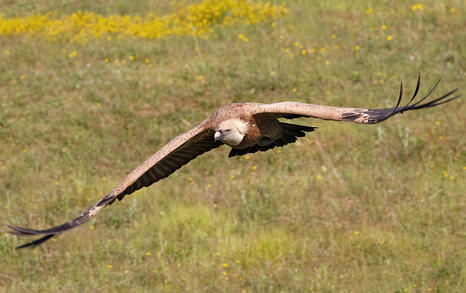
246, 128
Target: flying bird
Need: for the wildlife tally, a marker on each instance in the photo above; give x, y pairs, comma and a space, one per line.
246, 128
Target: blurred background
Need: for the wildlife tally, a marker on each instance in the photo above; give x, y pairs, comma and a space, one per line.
90, 89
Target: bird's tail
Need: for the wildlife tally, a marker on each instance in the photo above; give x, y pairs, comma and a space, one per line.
51, 232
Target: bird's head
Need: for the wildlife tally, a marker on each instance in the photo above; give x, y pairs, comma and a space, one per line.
231, 132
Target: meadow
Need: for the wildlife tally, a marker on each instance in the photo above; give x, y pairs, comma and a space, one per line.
90, 89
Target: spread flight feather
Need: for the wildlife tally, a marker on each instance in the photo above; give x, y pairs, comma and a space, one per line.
247, 128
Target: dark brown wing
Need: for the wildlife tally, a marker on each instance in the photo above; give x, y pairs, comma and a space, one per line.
155, 169
166, 161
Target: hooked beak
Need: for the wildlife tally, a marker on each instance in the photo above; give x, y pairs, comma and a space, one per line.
217, 136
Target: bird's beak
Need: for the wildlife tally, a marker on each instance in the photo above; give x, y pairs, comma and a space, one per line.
217, 136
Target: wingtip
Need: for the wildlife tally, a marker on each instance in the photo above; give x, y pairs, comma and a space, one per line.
35, 243
20, 231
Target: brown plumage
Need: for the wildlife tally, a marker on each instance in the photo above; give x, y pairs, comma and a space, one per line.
247, 128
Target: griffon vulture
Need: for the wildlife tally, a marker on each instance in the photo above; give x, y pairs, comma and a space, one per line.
246, 128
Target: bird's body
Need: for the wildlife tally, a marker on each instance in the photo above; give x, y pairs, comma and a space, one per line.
246, 128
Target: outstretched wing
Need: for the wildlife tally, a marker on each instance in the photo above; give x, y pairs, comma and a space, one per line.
366, 116
166, 161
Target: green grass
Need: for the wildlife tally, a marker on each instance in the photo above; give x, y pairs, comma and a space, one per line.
351, 208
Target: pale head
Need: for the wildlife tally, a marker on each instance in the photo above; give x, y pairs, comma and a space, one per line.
231, 132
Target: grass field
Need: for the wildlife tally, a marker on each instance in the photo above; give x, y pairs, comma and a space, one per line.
350, 208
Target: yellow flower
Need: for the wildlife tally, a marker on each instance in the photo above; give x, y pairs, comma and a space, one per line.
246, 157
437, 122
319, 177
254, 167
25, 151
389, 38
7, 52
209, 185
272, 73
322, 49
148, 253
147, 60
356, 48
333, 36
453, 10
419, 7
131, 57
356, 233
109, 266
327, 62
303, 52
369, 11
22, 76
72, 54
106, 60
243, 38
225, 265
278, 151
195, 19
383, 27
294, 90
